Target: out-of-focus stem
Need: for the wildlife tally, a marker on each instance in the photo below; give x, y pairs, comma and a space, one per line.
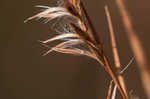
136, 46
115, 51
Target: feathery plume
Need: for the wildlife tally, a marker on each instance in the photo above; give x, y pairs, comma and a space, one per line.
82, 32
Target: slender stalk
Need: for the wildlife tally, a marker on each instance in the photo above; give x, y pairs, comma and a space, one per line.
109, 90
114, 78
115, 51
115, 87
114, 92
107, 65
136, 46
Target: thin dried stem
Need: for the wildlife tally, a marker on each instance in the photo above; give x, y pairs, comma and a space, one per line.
124, 69
109, 90
114, 78
114, 92
115, 87
115, 51
136, 46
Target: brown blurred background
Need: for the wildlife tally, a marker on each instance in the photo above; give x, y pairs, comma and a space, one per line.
26, 74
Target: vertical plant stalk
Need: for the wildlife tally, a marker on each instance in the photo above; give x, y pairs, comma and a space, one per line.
107, 65
114, 92
115, 51
114, 78
136, 46
109, 90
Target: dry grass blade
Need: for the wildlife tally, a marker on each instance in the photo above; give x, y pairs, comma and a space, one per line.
67, 47
66, 44
62, 36
50, 16
136, 46
75, 52
41, 6
115, 52
51, 13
